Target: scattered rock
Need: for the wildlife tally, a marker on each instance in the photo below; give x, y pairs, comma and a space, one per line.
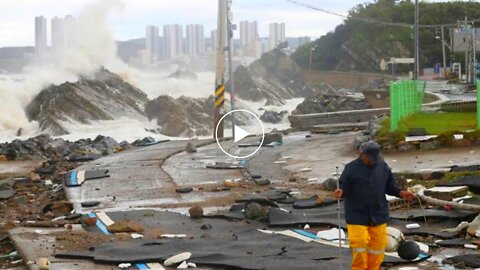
125, 226
191, 148
90, 203
34, 177
262, 182
273, 117
273, 137
230, 184
196, 212
184, 190
430, 145
177, 259
256, 211
406, 147
43, 264
59, 208
206, 227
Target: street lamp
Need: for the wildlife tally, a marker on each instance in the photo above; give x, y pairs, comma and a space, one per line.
311, 55
444, 44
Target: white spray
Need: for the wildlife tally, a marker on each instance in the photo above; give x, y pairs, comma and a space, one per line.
93, 47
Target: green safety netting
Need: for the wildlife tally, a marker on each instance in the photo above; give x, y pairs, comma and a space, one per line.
478, 104
406, 98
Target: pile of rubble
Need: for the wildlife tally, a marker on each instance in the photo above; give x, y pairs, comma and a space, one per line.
33, 196
322, 103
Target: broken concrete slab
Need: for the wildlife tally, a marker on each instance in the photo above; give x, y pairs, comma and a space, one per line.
473, 183
457, 242
464, 261
7, 194
447, 193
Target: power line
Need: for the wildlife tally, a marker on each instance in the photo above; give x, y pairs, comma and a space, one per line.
368, 20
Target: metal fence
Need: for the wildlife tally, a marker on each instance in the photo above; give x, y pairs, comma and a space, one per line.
409, 115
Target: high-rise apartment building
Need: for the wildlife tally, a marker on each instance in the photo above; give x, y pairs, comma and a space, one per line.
277, 34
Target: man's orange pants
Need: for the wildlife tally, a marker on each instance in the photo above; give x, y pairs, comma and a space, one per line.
368, 246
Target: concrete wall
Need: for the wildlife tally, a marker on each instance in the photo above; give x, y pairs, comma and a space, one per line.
339, 79
309, 120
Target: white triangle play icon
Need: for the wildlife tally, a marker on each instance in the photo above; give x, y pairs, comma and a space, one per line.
239, 134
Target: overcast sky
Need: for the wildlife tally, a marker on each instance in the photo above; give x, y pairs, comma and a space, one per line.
131, 16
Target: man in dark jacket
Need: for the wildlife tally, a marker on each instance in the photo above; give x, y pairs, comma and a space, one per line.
363, 185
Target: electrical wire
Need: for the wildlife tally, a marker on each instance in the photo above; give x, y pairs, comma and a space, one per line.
369, 20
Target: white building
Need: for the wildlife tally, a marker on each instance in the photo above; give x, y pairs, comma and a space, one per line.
249, 38
40, 35
173, 39
152, 44
213, 40
63, 33
277, 34
248, 33
195, 39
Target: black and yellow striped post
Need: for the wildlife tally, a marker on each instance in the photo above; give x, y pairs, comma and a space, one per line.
219, 104
220, 96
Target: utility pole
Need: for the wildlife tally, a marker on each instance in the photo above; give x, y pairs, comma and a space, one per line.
467, 70
231, 27
219, 102
474, 54
311, 56
416, 43
444, 54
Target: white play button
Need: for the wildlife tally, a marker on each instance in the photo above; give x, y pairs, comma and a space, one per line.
240, 133
255, 127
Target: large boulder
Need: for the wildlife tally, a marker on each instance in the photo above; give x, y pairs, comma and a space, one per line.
274, 77
322, 103
273, 117
183, 116
99, 96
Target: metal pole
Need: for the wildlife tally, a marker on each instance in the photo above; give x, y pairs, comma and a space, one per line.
230, 27
474, 54
444, 55
466, 53
416, 43
219, 101
339, 227
311, 52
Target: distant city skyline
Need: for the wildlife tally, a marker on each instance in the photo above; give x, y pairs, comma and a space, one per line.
130, 17
176, 40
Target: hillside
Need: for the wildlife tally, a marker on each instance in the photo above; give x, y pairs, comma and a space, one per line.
360, 45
